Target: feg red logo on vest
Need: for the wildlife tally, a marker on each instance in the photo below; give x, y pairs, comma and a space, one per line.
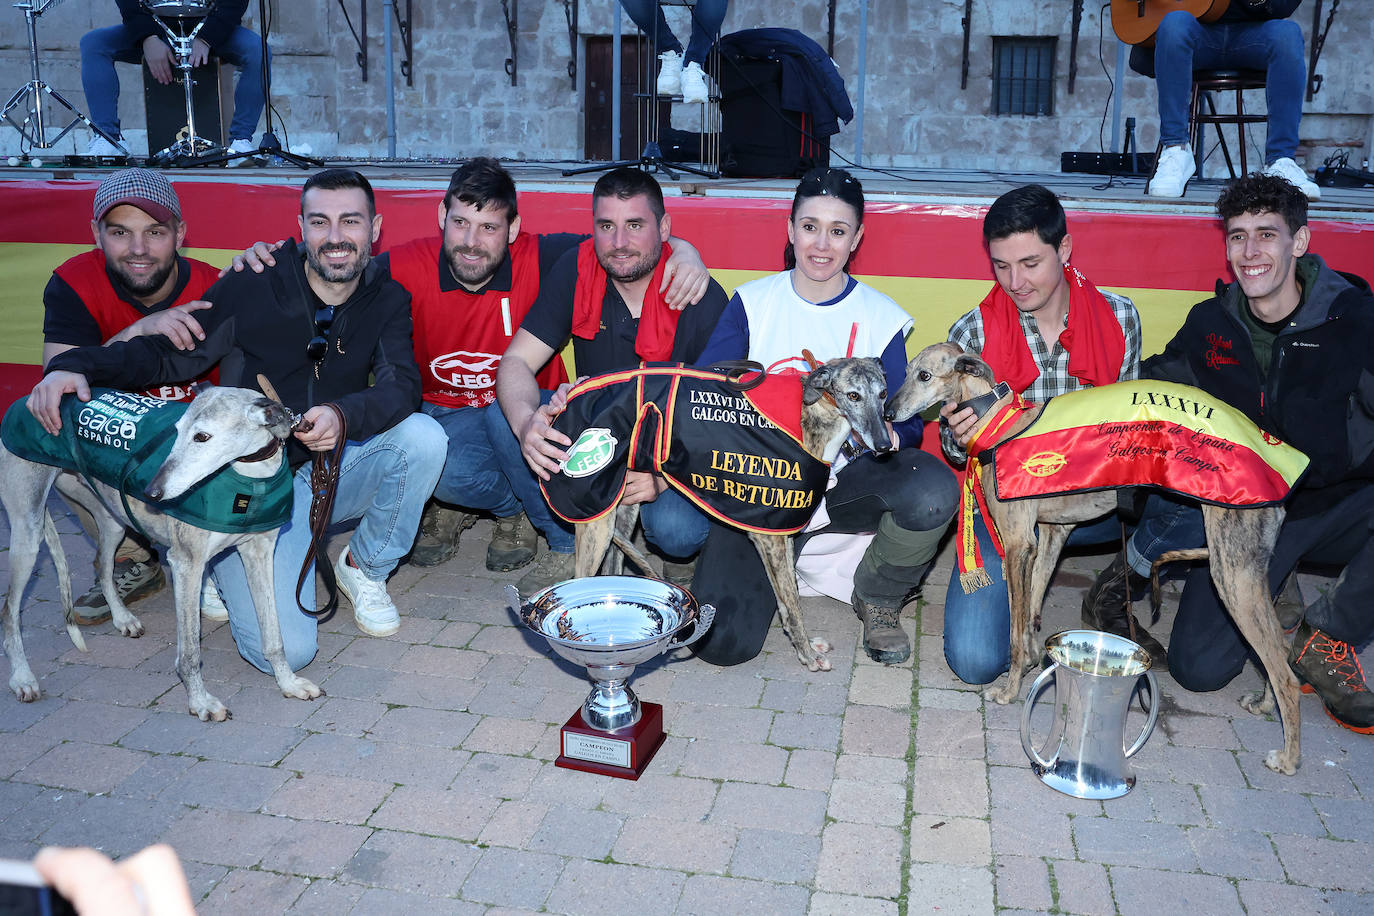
468, 375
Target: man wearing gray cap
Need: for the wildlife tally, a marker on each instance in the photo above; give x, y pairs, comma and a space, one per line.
133, 283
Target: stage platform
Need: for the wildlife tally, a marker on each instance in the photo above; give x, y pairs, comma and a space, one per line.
922, 243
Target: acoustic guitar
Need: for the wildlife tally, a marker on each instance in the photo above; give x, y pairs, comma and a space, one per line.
1136, 21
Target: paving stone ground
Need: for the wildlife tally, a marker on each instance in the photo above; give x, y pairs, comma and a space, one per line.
423, 782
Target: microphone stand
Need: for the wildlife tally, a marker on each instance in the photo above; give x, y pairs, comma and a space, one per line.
270, 146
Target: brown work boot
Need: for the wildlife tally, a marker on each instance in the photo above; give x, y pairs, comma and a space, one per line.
513, 544
440, 527
1330, 669
132, 579
550, 569
1289, 605
884, 639
1105, 608
680, 574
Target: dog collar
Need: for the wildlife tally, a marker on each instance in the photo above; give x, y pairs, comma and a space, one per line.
262, 454
983, 403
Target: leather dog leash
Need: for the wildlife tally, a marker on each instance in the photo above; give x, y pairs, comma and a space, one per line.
324, 484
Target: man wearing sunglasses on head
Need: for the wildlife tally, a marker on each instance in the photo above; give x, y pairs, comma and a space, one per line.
318, 325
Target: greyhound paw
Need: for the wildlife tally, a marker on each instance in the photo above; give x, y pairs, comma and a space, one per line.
1281, 763
821, 646
25, 688
300, 689
1002, 695
132, 628
1258, 702
209, 710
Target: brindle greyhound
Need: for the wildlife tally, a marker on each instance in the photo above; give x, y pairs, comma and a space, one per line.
838, 397
220, 427
1241, 541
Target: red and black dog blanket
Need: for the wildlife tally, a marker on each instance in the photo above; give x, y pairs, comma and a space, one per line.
735, 451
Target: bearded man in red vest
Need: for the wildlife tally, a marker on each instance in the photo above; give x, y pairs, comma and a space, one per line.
133, 283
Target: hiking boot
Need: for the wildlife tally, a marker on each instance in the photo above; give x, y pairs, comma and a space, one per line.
373, 610
551, 568
1330, 669
133, 580
513, 544
680, 574
211, 604
884, 639
440, 527
1105, 608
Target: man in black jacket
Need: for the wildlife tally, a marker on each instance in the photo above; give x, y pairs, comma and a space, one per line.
318, 324
1251, 34
1290, 343
139, 38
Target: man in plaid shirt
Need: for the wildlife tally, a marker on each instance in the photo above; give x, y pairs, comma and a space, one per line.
1045, 330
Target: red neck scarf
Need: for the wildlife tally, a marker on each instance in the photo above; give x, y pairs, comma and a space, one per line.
657, 322
1093, 338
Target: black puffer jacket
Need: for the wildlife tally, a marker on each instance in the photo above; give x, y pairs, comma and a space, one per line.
260, 323
1319, 393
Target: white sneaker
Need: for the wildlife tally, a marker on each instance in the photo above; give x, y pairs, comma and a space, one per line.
242, 145
1175, 167
211, 605
373, 610
693, 83
103, 148
1288, 169
670, 74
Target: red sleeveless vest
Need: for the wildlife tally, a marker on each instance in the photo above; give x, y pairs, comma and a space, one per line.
86, 275
460, 336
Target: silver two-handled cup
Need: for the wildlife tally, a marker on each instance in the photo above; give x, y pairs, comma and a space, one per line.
610, 624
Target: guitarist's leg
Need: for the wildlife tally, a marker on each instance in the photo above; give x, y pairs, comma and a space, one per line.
1276, 47
1181, 44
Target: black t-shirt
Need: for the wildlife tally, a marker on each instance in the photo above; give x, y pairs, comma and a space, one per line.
613, 347
66, 320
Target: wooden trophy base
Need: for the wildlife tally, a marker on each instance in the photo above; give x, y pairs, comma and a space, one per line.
623, 754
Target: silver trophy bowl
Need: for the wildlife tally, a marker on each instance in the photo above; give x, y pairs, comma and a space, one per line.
610, 624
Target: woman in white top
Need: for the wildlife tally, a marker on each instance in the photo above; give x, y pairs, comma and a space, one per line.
900, 502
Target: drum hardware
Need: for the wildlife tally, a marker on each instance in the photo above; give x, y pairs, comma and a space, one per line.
33, 130
181, 35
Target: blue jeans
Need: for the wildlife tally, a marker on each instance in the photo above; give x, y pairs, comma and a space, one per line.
473, 476
523, 484
978, 624
1205, 649
706, 20
384, 482
1183, 44
100, 48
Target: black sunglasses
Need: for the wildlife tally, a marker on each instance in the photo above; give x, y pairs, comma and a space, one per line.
319, 344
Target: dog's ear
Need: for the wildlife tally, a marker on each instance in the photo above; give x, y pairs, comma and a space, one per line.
202, 386
275, 416
972, 365
817, 383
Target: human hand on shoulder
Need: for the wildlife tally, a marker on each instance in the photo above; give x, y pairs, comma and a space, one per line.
257, 258
685, 277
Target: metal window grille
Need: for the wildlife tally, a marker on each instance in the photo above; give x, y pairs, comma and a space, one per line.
1022, 76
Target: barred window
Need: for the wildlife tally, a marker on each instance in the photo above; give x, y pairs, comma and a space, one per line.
1022, 75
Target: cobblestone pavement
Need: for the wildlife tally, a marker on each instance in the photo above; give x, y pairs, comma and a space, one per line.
424, 781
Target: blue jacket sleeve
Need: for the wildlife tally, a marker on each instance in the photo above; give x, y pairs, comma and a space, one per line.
894, 369
730, 340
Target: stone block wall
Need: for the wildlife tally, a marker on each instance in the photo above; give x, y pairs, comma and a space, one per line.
914, 113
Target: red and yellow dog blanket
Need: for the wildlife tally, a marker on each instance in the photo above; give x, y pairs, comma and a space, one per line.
1128, 434
736, 454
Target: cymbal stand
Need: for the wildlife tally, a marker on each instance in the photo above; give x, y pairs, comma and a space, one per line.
33, 130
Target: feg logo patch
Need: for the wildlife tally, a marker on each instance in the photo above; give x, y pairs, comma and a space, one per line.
592, 451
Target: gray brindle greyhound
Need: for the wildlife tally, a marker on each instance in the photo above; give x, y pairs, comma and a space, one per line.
1240, 541
219, 427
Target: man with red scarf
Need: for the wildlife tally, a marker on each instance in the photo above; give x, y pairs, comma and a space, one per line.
1044, 330
132, 283
606, 296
